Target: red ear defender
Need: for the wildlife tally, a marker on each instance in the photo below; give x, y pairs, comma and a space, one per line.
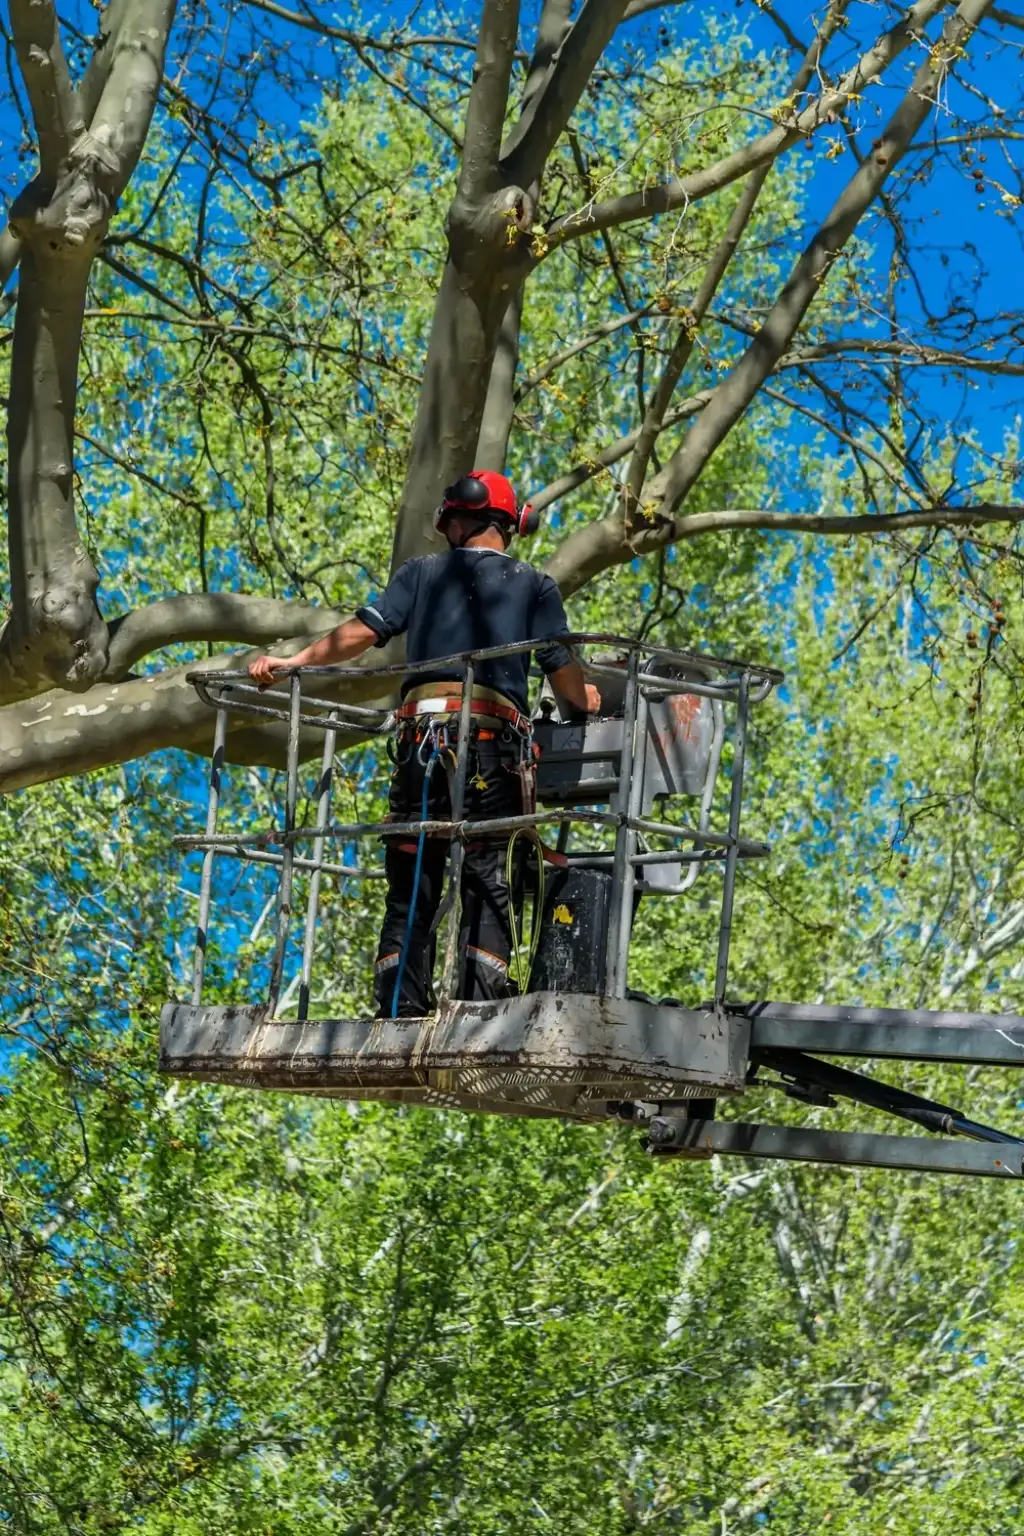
466, 495
482, 491
527, 520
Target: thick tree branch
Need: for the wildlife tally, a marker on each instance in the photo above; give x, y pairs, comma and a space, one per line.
10, 255
209, 616
492, 444
684, 343
123, 114
55, 107
680, 192
97, 72
484, 269
549, 110
551, 29
55, 633
57, 734
499, 408
488, 98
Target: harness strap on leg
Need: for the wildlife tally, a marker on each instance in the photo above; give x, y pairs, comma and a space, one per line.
410, 921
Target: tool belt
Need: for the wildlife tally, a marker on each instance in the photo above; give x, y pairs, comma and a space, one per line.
446, 699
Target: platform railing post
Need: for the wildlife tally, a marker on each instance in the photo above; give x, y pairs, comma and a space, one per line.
732, 856
284, 884
458, 801
636, 791
620, 903
220, 732
323, 811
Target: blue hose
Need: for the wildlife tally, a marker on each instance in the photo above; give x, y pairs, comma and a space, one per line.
410, 920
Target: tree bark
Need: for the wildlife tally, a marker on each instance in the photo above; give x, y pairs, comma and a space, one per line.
56, 735
10, 255
463, 341
486, 264
499, 408
55, 635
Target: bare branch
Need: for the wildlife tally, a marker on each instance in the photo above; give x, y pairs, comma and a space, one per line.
210, 616
611, 455
406, 94
394, 44
642, 7
55, 108
780, 22
765, 351
597, 334
713, 275
842, 525
1007, 18
908, 352
549, 110
680, 192
858, 447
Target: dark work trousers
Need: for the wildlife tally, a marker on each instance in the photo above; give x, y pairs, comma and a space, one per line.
494, 787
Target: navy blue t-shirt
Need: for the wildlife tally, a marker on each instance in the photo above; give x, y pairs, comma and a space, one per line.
469, 600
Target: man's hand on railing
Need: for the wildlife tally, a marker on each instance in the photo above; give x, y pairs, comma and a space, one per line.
572, 690
264, 669
349, 640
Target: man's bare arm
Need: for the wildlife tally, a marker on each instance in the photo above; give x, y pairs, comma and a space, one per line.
346, 642
572, 689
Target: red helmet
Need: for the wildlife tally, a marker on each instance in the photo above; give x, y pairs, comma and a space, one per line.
486, 491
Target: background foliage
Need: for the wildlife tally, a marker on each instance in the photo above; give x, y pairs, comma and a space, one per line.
263, 1314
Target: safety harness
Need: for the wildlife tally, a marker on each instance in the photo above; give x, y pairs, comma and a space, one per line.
432, 713
446, 699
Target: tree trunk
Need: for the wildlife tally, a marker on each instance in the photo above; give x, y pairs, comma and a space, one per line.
55, 635
486, 264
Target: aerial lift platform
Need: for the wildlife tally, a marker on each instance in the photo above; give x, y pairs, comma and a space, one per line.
577, 1043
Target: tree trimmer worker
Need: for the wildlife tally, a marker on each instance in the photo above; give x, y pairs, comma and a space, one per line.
471, 597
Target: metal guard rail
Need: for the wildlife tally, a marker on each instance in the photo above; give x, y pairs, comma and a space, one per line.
230, 692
